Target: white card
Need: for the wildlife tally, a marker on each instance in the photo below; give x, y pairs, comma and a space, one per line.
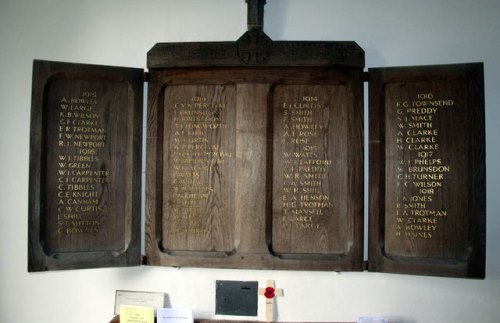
126, 297
372, 319
174, 315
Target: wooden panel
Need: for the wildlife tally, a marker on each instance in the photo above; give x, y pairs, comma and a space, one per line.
242, 232
427, 187
310, 204
198, 173
283, 53
85, 166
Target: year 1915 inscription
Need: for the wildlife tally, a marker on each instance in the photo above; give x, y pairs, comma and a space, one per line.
82, 159
303, 199
80, 138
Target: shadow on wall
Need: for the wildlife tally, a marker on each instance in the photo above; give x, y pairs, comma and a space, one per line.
373, 58
274, 18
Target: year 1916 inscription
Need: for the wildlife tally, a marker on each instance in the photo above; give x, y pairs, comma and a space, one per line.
82, 158
80, 138
423, 168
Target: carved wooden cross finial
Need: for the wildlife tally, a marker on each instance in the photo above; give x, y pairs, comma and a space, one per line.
255, 15
254, 46
270, 292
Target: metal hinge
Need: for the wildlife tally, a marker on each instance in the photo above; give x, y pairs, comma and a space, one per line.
366, 76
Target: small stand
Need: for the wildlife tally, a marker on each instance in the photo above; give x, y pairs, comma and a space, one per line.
270, 292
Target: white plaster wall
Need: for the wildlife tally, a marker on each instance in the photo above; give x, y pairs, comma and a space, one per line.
120, 32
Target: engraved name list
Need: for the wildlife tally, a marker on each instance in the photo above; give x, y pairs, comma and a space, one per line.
86, 153
423, 162
198, 177
309, 192
80, 138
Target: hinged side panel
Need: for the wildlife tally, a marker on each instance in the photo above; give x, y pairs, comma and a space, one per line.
85, 164
427, 170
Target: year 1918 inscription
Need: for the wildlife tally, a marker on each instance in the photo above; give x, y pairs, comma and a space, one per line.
423, 169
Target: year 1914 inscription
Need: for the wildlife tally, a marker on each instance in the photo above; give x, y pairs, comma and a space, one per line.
309, 201
199, 169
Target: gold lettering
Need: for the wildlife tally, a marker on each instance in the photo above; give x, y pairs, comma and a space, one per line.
195, 122
419, 179
303, 201
79, 200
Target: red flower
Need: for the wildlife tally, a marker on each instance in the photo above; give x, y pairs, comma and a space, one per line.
269, 293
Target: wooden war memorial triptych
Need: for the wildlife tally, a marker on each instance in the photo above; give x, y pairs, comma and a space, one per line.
255, 159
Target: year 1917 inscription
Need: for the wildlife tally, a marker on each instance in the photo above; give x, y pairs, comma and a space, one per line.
309, 138
423, 169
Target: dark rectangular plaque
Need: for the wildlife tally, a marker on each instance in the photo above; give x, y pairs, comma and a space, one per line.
217, 168
427, 170
236, 297
84, 166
